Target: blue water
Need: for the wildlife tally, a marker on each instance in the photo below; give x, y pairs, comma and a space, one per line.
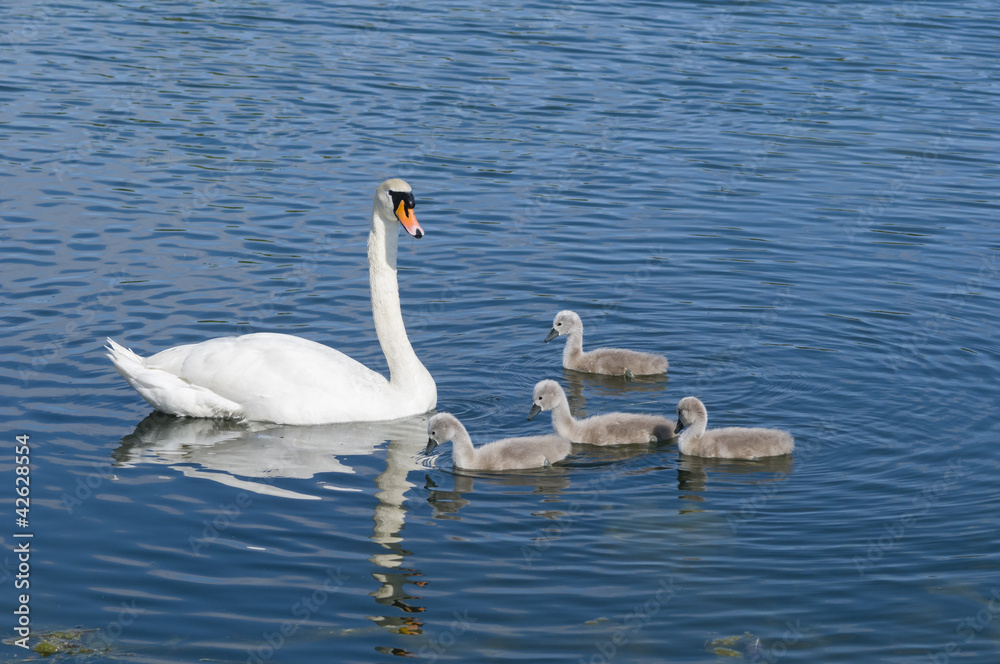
795, 202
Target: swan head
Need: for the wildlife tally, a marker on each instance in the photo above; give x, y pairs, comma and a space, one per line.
565, 322
690, 411
441, 428
394, 201
548, 394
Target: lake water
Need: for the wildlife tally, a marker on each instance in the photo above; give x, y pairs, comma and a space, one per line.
795, 202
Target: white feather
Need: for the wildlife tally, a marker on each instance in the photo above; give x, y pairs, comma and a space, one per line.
290, 380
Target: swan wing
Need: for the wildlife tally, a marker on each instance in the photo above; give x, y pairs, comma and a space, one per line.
168, 392
616, 361
278, 378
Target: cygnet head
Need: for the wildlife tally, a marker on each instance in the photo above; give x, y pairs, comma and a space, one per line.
690, 411
394, 200
440, 429
548, 395
564, 323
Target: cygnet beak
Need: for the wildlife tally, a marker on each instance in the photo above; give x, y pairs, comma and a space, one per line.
535, 408
431, 444
551, 335
680, 425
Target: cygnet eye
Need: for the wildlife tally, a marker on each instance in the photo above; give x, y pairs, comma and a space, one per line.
558, 324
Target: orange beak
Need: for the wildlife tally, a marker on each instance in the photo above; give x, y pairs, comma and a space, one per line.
409, 220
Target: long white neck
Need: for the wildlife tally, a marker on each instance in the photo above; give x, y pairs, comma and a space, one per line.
574, 347
465, 453
405, 370
564, 423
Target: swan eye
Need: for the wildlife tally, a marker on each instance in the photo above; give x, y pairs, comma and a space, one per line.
405, 197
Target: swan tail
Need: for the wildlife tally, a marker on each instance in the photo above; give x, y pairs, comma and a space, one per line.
167, 392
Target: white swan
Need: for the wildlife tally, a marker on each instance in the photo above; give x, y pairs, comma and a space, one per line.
727, 443
607, 429
290, 380
504, 454
608, 361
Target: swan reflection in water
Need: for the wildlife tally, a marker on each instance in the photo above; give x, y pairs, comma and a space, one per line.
447, 502
250, 455
694, 474
578, 384
255, 457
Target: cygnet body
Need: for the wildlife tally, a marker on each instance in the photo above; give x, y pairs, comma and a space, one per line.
504, 454
727, 443
607, 429
608, 361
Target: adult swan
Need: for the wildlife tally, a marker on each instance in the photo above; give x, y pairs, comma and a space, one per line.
291, 380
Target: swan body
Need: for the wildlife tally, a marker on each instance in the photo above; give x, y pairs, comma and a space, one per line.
504, 454
729, 442
607, 429
291, 380
608, 361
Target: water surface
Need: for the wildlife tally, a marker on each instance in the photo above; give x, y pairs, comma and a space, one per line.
795, 202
